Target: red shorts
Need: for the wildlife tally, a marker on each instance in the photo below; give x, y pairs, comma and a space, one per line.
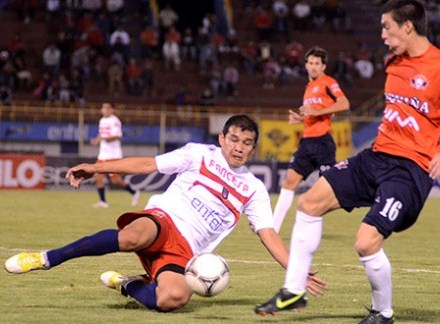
169, 249
111, 175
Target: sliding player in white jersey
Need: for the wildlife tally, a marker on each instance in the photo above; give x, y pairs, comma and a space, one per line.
213, 188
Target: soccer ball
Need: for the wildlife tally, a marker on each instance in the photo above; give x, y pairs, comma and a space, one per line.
207, 274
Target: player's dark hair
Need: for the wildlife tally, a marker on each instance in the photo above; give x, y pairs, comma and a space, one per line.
110, 103
317, 52
244, 122
408, 10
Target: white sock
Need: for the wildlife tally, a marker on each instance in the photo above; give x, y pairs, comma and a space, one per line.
378, 270
306, 236
284, 202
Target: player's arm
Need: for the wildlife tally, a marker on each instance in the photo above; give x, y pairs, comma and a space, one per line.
98, 139
273, 243
132, 165
341, 104
434, 167
295, 117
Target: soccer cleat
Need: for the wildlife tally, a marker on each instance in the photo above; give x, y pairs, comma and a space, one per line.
375, 317
112, 279
100, 204
25, 262
282, 301
115, 280
135, 198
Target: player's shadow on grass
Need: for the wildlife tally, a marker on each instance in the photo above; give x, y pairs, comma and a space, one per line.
408, 315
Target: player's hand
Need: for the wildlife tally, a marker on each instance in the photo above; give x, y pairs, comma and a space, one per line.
308, 111
294, 117
434, 167
79, 173
315, 285
95, 141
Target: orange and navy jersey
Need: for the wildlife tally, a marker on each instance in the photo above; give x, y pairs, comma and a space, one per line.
320, 93
410, 126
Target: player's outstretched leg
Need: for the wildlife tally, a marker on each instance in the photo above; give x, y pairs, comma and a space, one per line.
282, 301
27, 261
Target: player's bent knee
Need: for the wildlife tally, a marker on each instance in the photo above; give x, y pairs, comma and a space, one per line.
130, 241
365, 248
172, 299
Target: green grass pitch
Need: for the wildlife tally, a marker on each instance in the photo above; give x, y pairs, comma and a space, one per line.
72, 293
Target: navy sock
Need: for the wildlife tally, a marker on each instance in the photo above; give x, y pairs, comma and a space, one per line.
129, 189
143, 293
101, 193
99, 243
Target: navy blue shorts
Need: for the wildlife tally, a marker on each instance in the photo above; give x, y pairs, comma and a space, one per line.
314, 153
395, 188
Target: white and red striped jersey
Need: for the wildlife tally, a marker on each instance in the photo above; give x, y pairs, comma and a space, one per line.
110, 126
208, 197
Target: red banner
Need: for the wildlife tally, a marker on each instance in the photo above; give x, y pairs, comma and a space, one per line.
22, 171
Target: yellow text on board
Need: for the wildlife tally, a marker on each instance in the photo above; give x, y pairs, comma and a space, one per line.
279, 140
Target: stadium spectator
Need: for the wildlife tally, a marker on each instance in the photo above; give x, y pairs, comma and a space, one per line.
189, 48
120, 34
171, 55
364, 68
301, 15
5, 95
231, 76
342, 70
64, 90
167, 19
115, 75
393, 177
263, 24
92, 6
207, 98
77, 84
249, 53
170, 230
115, 7
149, 77
133, 74
280, 10
293, 52
149, 40
271, 73
52, 60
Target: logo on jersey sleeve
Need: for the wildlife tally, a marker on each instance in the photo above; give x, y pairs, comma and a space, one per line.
419, 82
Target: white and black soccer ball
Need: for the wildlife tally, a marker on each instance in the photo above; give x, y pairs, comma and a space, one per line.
207, 274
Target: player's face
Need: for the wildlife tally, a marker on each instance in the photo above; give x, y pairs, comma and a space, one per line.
237, 146
106, 110
314, 66
393, 35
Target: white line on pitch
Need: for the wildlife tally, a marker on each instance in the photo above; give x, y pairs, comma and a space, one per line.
269, 262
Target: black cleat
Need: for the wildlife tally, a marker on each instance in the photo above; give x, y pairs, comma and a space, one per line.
282, 301
375, 317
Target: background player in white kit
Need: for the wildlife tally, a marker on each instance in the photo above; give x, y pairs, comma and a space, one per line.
109, 141
203, 204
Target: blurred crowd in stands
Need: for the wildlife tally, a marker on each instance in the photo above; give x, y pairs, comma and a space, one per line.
122, 46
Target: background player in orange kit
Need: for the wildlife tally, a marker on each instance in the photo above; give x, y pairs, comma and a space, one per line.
393, 178
317, 149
